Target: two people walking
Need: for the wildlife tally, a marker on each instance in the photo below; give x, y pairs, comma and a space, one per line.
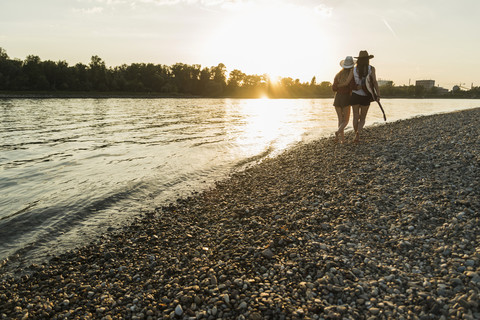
354, 86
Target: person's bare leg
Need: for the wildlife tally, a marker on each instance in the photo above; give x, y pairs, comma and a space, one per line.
356, 118
343, 125
361, 121
340, 120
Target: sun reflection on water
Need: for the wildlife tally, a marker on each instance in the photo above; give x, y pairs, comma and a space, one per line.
266, 125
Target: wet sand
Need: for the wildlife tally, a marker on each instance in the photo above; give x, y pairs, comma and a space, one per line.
385, 229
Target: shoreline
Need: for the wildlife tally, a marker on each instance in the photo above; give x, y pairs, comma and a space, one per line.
132, 95
91, 95
388, 228
114, 95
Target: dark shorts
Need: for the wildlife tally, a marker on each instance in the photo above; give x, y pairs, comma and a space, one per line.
361, 100
342, 100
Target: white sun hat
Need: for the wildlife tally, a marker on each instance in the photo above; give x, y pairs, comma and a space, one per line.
347, 63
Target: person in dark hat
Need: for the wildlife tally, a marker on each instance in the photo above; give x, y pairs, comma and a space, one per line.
343, 84
361, 97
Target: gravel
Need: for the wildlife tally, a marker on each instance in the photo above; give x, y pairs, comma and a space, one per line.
385, 229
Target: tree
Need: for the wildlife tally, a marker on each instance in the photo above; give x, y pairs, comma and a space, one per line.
82, 78
235, 81
325, 89
205, 78
419, 91
33, 70
236, 78
186, 77
98, 73
252, 81
213, 81
219, 76
4, 76
64, 75
50, 73
3, 54
287, 82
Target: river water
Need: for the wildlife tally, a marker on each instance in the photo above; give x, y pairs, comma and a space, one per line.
71, 169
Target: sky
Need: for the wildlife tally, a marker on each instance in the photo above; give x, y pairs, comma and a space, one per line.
410, 39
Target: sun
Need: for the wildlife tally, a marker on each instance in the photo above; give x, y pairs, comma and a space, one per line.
264, 96
280, 41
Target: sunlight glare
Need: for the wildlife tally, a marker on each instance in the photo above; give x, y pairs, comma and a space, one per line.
264, 97
264, 123
282, 40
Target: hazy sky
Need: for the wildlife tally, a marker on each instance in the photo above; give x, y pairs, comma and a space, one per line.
411, 39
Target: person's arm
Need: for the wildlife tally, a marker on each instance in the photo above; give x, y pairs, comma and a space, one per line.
375, 83
348, 80
335, 83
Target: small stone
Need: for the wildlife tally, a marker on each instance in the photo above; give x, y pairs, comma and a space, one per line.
374, 311
470, 263
213, 280
178, 310
267, 253
299, 312
238, 282
255, 316
226, 298
457, 282
242, 305
442, 290
476, 279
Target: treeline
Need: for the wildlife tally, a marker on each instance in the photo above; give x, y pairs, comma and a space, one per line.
33, 74
419, 92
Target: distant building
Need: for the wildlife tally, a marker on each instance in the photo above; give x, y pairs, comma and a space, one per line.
427, 84
441, 90
382, 83
460, 87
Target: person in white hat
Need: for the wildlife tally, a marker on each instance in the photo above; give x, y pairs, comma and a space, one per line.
343, 84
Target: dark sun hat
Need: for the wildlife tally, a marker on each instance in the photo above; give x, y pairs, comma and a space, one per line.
364, 54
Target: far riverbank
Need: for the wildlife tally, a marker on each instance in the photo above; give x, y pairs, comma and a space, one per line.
90, 95
152, 95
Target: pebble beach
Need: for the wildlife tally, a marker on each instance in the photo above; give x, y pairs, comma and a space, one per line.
385, 229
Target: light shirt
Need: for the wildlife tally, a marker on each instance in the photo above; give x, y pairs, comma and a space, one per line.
358, 81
